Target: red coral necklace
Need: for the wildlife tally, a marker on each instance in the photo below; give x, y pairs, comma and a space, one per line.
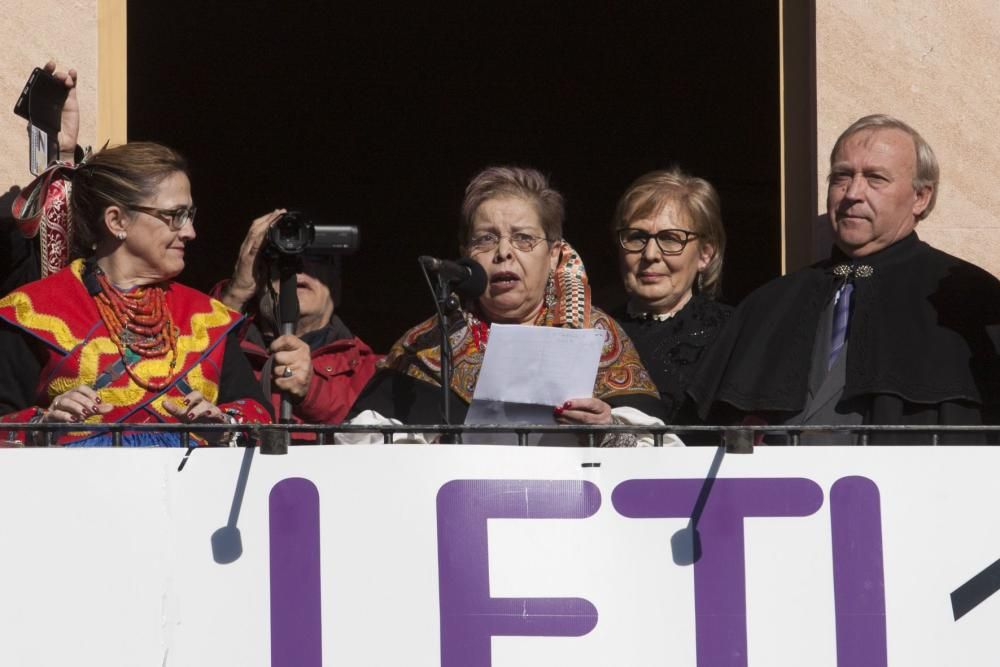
140, 325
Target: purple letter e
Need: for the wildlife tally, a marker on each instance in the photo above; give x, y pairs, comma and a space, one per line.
469, 616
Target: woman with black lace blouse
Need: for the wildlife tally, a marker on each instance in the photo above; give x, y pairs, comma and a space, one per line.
671, 244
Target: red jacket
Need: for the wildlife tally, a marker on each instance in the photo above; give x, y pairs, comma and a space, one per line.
340, 371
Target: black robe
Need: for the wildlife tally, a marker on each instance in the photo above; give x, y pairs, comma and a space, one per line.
923, 343
672, 350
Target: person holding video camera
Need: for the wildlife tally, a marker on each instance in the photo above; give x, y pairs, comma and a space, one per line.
322, 366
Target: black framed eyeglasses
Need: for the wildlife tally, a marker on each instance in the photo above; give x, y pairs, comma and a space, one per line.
176, 218
489, 241
670, 241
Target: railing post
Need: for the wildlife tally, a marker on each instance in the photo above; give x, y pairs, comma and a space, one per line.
738, 441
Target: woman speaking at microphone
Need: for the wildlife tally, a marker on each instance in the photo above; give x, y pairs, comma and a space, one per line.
511, 226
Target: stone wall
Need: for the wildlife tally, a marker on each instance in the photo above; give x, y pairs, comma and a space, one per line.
34, 31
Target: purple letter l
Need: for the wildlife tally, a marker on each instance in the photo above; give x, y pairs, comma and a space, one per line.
296, 624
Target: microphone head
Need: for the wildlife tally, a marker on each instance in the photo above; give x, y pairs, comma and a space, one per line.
474, 284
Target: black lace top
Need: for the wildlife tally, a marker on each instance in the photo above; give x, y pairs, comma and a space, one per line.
671, 349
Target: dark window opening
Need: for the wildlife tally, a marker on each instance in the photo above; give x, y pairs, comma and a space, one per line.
378, 115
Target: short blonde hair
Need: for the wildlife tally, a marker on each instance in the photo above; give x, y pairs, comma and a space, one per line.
697, 199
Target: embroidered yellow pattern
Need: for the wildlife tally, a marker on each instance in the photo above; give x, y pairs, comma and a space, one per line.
98, 349
25, 313
90, 366
194, 343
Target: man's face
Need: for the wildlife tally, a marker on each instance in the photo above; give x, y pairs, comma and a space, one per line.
871, 201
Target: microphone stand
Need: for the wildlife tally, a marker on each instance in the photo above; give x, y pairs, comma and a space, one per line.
276, 442
447, 304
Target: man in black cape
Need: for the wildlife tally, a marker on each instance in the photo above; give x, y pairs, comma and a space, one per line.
888, 330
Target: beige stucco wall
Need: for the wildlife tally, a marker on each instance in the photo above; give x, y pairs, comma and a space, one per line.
936, 65
32, 32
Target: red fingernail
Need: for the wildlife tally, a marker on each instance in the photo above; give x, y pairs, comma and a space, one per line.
558, 411
567, 405
190, 415
186, 401
97, 400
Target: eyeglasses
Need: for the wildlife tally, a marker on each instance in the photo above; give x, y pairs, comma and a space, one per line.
489, 241
670, 241
176, 218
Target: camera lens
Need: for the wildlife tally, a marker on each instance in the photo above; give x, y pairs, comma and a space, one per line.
291, 234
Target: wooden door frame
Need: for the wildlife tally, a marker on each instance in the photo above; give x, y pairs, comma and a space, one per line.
799, 196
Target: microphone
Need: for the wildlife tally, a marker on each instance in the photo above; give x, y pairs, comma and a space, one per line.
467, 276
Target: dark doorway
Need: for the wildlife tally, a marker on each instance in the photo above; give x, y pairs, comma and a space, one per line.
377, 115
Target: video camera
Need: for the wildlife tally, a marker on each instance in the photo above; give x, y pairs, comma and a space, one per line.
290, 241
295, 233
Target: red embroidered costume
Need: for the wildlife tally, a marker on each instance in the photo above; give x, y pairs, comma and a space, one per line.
53, 338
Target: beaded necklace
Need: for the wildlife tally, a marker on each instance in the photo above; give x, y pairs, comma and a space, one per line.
140, 325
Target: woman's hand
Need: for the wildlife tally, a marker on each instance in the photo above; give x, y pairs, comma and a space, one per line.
292, 370
196, 409
243, 285
75, 405
583, 411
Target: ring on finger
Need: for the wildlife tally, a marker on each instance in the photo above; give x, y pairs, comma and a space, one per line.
288, 372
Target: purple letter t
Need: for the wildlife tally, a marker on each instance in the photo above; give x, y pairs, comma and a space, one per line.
719, 579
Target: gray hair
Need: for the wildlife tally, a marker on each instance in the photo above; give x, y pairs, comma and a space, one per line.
927, 173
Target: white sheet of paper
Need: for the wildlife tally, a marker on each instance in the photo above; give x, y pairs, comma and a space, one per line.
527, 371
539, 365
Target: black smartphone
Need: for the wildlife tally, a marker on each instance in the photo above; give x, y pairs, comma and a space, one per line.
41, 101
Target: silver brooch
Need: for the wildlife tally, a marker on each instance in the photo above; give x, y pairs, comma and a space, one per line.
858, 270
863, 271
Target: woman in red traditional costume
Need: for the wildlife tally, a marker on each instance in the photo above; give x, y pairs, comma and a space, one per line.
111, 338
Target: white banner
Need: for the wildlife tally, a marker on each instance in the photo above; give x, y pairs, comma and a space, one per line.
388, 556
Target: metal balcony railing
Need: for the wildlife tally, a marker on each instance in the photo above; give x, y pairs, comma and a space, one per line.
734, 438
